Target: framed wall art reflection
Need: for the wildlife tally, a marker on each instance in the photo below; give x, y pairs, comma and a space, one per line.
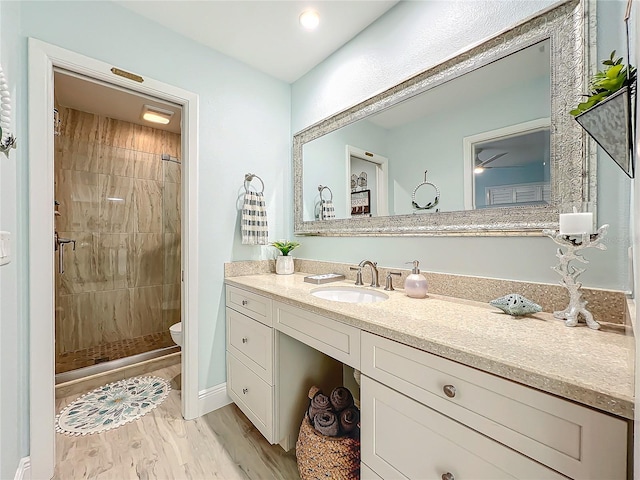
361, 202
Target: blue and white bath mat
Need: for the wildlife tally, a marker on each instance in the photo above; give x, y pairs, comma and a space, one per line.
112, 405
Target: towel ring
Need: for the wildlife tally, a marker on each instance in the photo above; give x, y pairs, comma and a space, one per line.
429, 205
250, 176
321, 189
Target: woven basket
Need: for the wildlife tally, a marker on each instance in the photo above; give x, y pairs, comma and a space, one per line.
321, 457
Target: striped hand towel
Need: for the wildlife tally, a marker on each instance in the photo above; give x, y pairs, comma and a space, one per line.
254, 220
328, 211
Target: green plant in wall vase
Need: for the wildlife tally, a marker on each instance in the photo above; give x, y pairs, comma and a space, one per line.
606, 82
284, 262
606, 112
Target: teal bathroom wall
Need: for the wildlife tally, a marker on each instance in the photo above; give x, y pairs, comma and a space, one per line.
13, 335
244, 127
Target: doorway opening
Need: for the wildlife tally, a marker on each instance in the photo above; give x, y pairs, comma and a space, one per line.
117, 182
44, 58
367, 175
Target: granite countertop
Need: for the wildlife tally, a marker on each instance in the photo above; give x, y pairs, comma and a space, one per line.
594, 368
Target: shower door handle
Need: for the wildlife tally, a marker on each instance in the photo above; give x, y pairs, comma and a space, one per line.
60, 243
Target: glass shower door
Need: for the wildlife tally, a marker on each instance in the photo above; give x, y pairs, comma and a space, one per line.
118, 291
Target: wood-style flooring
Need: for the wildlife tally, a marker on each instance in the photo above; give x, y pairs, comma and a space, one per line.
162, 445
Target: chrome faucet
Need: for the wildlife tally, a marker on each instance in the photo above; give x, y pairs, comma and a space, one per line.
358, 275
374, 271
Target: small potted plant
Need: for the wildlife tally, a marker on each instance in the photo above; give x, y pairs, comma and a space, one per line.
284, 262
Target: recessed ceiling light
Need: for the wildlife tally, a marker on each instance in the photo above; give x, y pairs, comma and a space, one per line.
156, 115
309, 19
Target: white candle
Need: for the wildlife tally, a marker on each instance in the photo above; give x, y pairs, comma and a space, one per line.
576, 223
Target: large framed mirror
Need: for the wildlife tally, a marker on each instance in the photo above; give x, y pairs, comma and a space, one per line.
481, 144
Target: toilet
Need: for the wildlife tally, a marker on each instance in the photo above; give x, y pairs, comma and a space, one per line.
176, 333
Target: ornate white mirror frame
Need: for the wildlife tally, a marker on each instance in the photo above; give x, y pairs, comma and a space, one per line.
573, 162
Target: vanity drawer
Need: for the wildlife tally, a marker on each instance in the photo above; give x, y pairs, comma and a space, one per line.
252, 343
251, 394
574, 440
333, 338
402, 438
252, 305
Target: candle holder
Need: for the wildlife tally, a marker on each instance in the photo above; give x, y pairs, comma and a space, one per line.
570, 274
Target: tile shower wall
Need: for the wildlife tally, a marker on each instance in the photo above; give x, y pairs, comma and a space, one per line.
121, 203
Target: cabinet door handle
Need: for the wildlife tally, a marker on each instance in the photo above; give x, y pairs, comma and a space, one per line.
448, 476
449, 391
245, 390
245, 339
245, 302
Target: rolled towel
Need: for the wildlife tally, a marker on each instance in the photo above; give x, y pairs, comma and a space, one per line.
341, 398
319, 403
327, 423
349, 419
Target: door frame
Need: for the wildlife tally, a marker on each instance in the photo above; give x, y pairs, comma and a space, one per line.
43, 57
469, 157
382, 176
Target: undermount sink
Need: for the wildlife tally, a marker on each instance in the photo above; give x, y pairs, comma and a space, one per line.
349, 294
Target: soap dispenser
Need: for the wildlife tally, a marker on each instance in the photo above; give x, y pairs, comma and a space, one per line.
416, 284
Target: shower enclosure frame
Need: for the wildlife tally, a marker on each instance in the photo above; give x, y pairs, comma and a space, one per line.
43, 57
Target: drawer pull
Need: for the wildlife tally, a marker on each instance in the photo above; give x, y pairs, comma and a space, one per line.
449, 391
448, 476
245, 339
245, 390
245, 302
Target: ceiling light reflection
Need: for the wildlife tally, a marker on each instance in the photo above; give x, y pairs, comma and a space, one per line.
310, 19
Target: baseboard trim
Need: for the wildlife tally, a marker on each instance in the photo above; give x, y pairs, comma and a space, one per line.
24, 469
212, 399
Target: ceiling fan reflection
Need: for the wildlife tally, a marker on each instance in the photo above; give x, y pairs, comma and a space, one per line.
481, 165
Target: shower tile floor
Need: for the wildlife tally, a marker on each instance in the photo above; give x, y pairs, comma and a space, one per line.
68, 361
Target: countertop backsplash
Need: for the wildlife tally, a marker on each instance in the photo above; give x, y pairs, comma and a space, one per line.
608, 307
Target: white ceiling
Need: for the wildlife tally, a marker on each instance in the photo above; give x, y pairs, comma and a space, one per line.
266, 34
263, 34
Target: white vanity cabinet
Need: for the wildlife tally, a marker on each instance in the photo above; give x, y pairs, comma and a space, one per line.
250, 357
427, 417
422, 416
275, 353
